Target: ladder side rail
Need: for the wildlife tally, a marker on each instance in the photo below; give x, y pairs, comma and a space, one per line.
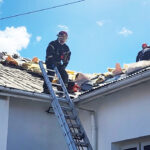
86, 137
48, 83
62, 84
62, 123
60, 113
72, 105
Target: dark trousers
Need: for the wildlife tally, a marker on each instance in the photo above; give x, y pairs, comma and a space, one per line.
62, 72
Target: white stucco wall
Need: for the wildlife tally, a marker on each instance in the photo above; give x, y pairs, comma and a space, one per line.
31, 128
86, 119
4, 111
122, 115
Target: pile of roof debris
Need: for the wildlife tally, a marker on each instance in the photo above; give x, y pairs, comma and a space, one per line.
85, 82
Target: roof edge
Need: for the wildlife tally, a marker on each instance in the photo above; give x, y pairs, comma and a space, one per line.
139, 78
6, 91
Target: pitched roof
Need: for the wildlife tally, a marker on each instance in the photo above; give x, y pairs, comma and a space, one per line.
118, 78
18, 78
121, 82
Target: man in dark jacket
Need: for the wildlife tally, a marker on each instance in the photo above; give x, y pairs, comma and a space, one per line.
144, 54
58, 54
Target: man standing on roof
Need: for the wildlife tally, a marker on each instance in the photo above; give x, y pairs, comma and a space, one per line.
58, 54
144, 54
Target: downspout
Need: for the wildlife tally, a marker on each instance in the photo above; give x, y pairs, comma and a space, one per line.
93, 127
8, 100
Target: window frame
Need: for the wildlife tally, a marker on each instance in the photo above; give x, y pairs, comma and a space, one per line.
131, 146
144, 144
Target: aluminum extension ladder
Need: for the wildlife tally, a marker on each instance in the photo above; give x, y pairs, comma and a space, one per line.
66, 113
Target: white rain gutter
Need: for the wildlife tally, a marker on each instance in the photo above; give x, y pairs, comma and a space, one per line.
5, 91
131, 81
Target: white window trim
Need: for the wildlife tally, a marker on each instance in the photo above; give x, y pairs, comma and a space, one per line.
144, 144
130, 146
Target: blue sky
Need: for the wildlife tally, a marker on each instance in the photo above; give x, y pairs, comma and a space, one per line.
101, 32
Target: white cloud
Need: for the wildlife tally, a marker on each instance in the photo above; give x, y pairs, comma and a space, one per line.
125, 32
63, 27
1, 1
100, 23
13, 40
38, 38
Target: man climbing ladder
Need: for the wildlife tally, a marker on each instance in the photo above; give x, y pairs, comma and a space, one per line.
58, 54
66, 113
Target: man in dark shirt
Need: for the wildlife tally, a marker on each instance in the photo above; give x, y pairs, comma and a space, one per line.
58, 54
144, 54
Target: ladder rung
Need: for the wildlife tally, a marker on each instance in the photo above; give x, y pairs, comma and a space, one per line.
79, 136
59, 92
66, 108
51, 76
51, 70
56, 84
74, 126
70, 117
81, 144
63, 100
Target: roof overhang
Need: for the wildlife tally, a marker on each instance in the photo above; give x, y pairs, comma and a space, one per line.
114, 87
11, 92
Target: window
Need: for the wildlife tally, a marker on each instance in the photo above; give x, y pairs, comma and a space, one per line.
130, 147
140, 143
139, 146
145, 146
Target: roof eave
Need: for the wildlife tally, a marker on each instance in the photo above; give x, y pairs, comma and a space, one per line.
6, 91
139, 78
97, 93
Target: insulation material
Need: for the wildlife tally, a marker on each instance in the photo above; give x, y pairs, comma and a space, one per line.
133, 67
100, 79
116, 71
31, 66
84, 80
81, 78
71, 74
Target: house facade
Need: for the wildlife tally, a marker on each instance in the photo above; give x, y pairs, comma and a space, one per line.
115, 117
121, 114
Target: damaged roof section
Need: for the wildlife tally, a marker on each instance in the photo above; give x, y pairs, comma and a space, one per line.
128, 80
24, 74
